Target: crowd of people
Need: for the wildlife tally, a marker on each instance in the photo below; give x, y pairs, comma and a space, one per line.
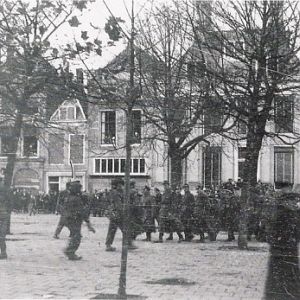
173, 210
270, 217
177, 210
29, 201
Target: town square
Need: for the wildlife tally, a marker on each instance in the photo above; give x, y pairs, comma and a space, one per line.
149, 149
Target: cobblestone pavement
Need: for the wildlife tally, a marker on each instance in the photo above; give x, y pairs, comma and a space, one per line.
36, 267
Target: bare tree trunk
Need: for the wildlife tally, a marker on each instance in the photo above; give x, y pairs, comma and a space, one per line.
11, 159
250, 180
12, 155
176, 169
126, 222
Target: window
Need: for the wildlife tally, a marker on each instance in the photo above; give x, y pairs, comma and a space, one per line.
6, 144
233, 48
136, 126
7, 141
30, 146
283, 164
108, 127
63, 113
284, 114
242, 151
53, 183
69, 113
212, 159
76, 148
213, 117
109, 166
56, 148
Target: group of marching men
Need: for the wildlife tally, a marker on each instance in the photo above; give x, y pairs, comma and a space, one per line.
169, 212
172, 211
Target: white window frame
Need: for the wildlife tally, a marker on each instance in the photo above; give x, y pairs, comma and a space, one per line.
116, 131
289, 150
22, 148
83, 152
67, 106
113, 173
137, 144
64, 174
53, 164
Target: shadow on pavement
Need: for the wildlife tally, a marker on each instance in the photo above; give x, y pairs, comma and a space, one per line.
115, 296
171, 281
250, 248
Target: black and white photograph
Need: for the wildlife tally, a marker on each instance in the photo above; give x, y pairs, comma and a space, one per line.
150, 149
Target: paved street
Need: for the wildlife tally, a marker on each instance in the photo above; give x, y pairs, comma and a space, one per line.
36, 267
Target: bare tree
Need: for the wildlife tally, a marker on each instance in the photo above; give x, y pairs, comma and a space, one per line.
177, 95
251, 50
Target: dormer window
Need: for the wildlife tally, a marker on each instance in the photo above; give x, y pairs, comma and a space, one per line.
69, 111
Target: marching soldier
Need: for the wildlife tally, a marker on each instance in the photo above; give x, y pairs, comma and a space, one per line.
230, 212
149, 209
168, 219
75, 212
59, 208
157, 202
135, 212
5, 205
188, 203
116, 217
200, 208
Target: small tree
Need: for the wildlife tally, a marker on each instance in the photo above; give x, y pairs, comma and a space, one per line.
27, 76
120, 92
28, 80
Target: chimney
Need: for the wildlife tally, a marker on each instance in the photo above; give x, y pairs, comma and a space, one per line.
79, 76
204, 10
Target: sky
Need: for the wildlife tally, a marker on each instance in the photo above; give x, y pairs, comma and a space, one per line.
93, 20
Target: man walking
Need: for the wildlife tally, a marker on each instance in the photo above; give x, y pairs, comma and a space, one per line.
59, 208
116, 217
75, 213
187, 212
168, 221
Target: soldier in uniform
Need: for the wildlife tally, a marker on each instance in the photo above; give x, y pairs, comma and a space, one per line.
168, 219
157, 199
116, 217
254, 206
75, 212
230, 210
5, 206
283, 279
59, 208
200, 208
187, 209
149, 209
135, 212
